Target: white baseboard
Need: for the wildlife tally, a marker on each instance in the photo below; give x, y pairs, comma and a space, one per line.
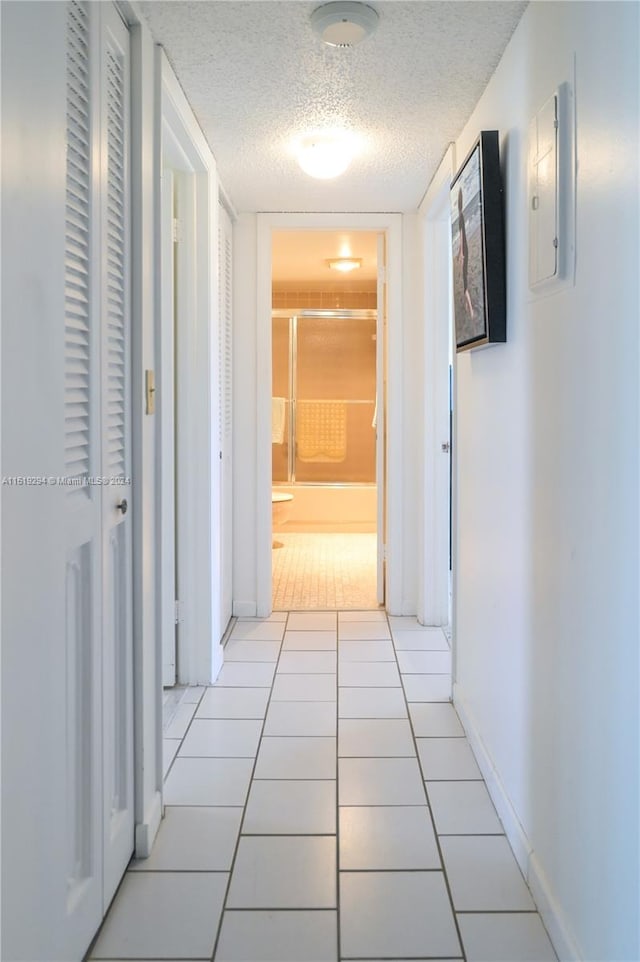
217, 662
563, 940
513, 829
146, 831
244, 609
551, 914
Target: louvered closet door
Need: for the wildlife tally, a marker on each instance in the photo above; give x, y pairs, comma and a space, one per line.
83, 641
225, 239
99, 767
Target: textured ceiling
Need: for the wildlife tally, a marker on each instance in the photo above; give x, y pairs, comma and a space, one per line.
257, 77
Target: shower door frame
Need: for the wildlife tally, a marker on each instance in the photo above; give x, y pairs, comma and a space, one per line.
391, 486
294, 317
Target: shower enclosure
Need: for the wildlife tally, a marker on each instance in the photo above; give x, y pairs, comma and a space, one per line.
324, 406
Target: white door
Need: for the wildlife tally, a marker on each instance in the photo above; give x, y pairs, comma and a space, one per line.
225, 248
83, 527
166, 399
117, 650
381, 401
99, 734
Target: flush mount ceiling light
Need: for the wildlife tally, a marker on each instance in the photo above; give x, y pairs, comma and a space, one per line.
325, 154
344, 23
345, 264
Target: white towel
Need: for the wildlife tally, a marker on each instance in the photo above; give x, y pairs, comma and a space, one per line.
278, 411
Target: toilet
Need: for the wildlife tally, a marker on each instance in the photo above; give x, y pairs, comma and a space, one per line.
280, 503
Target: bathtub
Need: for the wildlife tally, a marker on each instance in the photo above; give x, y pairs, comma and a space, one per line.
329, 507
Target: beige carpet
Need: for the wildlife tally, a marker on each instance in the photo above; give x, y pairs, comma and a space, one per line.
324, 571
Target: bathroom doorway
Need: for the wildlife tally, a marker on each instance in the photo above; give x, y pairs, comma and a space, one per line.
327, 419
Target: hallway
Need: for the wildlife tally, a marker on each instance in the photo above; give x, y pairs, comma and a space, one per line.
284, 843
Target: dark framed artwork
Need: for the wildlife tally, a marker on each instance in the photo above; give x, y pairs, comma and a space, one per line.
477, 241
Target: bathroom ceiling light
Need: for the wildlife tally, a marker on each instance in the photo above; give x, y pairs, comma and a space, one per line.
345, 264
325, 155
344, 23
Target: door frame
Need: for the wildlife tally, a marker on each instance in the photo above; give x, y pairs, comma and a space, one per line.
380, 417
433, 587
391, 225
180, 139
117, 580
165, 403
226, 219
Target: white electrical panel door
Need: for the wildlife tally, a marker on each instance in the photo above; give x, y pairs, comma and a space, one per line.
543, 194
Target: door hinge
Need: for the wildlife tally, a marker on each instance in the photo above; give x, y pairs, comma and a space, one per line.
176, 231
177, 613
382, 274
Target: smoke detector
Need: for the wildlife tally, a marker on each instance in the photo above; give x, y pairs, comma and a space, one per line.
344, 23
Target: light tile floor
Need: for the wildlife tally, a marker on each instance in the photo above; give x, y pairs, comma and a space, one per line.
323, 804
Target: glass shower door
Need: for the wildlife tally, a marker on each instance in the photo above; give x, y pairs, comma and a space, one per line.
334, 378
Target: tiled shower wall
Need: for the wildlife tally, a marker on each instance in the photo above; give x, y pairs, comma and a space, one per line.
329, 298
336, 362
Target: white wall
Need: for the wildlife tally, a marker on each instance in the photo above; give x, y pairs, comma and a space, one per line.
547, 609
33, 523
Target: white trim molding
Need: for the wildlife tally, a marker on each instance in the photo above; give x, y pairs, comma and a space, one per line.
180, 138
147, 669
146, 830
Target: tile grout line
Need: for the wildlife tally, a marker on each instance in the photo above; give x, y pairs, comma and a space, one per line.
431, 816
246, 799
196, 705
